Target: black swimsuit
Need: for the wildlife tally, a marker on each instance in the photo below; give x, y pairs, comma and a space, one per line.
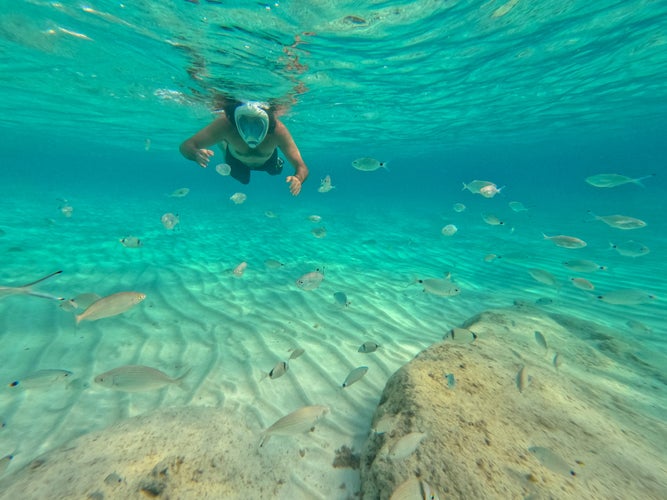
241, 172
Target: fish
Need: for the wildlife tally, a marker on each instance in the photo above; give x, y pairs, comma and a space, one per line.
296, 353
492, 220
490, 191
627, 297
170, 221
81, 301
620, 221
42, 378
414, 489
386, 423
131, 242
319, 232
491, 257
630, 248
517, 206
406, 445
543, 276
273, 264
354, 376
325, 185
582, 284
180, 193
614, 180
638, 327
460, 336
137, 378
297, 422
368, 347
522, 379
544, 301
367, 164
449, 230
270, 215
67, 210
240, 269
238, 198
441, 287
539, 338
458, 207
223, 169
557, 361
110, 305
451, 380
565, 241
310, 281
341, 299
6, 291
475, 186
583, 266
314, 218
551, 461
277, 371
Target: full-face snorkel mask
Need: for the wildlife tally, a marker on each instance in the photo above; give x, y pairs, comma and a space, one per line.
252, 122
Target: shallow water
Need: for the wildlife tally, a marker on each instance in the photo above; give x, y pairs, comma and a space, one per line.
98, 97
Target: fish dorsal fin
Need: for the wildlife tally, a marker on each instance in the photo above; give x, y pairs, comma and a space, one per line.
40, 279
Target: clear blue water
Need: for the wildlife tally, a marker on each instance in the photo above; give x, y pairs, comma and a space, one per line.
534, 96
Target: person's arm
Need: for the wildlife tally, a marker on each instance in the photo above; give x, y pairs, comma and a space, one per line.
293, 155
194, 148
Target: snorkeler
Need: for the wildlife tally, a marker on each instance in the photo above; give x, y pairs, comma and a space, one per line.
249, 133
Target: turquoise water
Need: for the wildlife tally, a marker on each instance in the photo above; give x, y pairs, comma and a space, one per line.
97, 96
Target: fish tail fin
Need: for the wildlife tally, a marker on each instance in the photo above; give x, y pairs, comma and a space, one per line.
639, 180
384, 165
78, 318
264, 438
180, 381
465, 186
41, 279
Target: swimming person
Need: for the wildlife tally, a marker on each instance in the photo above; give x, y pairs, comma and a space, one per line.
249, 133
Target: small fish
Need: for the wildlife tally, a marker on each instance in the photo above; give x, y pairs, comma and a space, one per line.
557, 361
620, 221
180, 193
297, 422
325, 185
544, 301
460, 336
310, 281
583, 266
440, 287
170, 221
6, 291
130, 242
277, 371
543, 276
137, 378
271, 215
492, 220
273, 264
414, 489
238, 198
240, 269
582, 284
552, 461
341, 299
67, 210
319, 232
314, 218
386, 423
539, 338
630, 248
565, 241
638, 327
613, 180
406, 445
522, 379
147, 145
223, 169
368, 347
627, 297
451, 380
296, 353
517, 206
4, 463
42, 378
491, 257
449, 230
110, 305
490, 191
355, 375
476, 186
367, 164
458, 207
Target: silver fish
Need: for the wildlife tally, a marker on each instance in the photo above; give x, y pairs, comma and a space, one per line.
630, 248
583, 266
341, 299
279, 370
476, 186
406, 445
414, 489
110, 305
310, 281
354, 376
131, 242
543, 277
6, 291
367, 164
42, 378
613, 180
627, 297
620, 221
137, 378
522, 379
564, 241
297, 422
368, 347
557, 361
296, 353
539, 338
440, 287
460, 336
180, 193
552, 461
169, 220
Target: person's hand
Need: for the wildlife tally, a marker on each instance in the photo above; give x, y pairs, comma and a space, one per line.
295, 184
203, 156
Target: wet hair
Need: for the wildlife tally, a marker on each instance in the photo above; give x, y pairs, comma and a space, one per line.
231, 105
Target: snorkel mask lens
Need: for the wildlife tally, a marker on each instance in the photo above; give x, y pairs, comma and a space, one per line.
252, 122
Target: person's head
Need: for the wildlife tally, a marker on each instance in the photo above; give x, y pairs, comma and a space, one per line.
253, 120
